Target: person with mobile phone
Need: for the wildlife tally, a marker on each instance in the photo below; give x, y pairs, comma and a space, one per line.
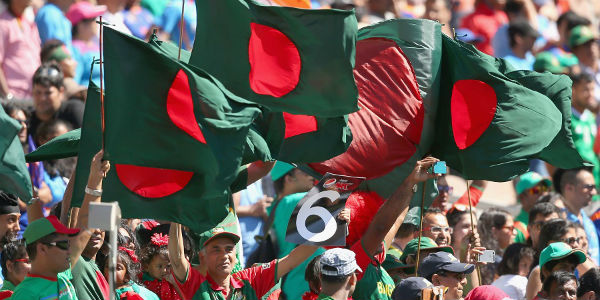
442, 268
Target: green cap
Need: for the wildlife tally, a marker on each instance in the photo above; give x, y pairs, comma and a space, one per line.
392, 263
280, 169
580, 35
217, 232
426, 243
546, 61
560, 250
529, 180
45, 226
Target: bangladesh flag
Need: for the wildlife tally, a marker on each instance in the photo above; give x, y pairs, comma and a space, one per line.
290, 60
174, 135
14, 176
489, 125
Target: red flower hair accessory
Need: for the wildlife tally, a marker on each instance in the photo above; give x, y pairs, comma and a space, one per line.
159, 239
149, 225
130, 253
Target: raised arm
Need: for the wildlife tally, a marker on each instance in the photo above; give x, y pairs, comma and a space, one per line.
390, 214
258, 170
179, 265
294, 259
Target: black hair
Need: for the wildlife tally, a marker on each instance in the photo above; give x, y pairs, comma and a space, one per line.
590, 281
562, 177
133, 269
150, 251
543, 209
454, 215
514, 7
32, 247
49, 128
8, 199
553, 230
406, 229
313, 273
11, 108
48, 75
581, 77
573, 20
12, 251
512, 256
491, 218
278, 184
49, 47
520, 27
56, 209
560, 277
122, 241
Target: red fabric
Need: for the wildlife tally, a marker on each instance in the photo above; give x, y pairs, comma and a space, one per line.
103, 285
363, 207
191, 284
274, 61
462, 203
130, 295
486, 292
364, 260
163, 289
313, 296
597, 144
298, 124
484, 22
5, 294
152, 182
180, 107
473, 107
388, 126
60, 228
261, 277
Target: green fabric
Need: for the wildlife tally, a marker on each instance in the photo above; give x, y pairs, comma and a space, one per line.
561, 152
41, 288
280, 169
546, 61
426, 243
584, 135
14, 176
8, 286
38, 229
523, 217
523, 127
85, 273
156, 7
294, 284
324, 297
223, 119
325, 40
580, 35
560, 250
91, 142
143, 291
66, 145
421, 42
205, 292
376, 284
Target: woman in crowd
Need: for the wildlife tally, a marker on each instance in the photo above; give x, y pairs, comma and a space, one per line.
497, 231
514, 269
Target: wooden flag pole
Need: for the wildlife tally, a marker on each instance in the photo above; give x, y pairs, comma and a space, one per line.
473, 227
101, 82
181, 24
420, 229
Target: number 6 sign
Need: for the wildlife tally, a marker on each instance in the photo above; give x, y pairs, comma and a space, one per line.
314, 220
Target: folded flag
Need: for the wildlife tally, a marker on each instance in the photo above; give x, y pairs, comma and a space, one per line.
14, 176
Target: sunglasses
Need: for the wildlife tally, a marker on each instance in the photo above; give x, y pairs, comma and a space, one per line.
63, 245
445, 189
539, 189
23, 260
572, 240
588, 186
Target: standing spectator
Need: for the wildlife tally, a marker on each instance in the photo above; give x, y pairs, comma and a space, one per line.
530, 187
578, 188
85, 38
514, 269
497, 231
522, 37
115, 14
49, 102
584, 44
338, 274
19, 51
485, 21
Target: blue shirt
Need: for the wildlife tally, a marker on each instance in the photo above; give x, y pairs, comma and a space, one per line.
590, 231
250, 226
169, 22
521, 63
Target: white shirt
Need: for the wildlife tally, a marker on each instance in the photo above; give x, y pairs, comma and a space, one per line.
513, 285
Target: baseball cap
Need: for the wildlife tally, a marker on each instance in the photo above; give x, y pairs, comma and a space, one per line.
338, 262
45, 226
84, 10
426, 243
560, 250
529, 180
580, 35
443, 261
280, 169
411, 288
217, 232
546, 61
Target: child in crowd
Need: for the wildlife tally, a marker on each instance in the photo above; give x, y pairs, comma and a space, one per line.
155, 262
127, 271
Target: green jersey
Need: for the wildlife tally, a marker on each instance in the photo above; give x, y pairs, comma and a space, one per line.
88, 281
8, 286
35, 287
374, 283
583, 127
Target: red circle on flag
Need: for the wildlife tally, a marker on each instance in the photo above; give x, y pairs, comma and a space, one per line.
473, 107
151, 182
180, 107
274, 61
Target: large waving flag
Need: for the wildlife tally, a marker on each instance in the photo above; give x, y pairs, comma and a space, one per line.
291, 60
174, 135
14, 176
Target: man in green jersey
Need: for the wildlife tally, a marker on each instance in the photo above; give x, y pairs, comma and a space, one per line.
338, 274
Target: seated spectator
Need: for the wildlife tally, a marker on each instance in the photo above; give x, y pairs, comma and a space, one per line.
522, 37
85, 38
530, 186
15, 264
583, 241
514, 269
444, 269
19, 51
55, 51
560, 285
411, 288
589, 285
497, 231
49, 102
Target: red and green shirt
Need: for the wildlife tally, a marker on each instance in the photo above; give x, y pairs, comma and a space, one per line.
374, 282
249, 284
46, 288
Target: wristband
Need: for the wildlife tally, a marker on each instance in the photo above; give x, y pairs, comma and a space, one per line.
96, 193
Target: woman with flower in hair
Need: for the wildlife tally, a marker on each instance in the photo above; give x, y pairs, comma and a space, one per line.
155, 263
126, 274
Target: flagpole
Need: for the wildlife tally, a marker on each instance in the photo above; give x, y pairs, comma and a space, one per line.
420, 229
473, 227
181, 23
101, 82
